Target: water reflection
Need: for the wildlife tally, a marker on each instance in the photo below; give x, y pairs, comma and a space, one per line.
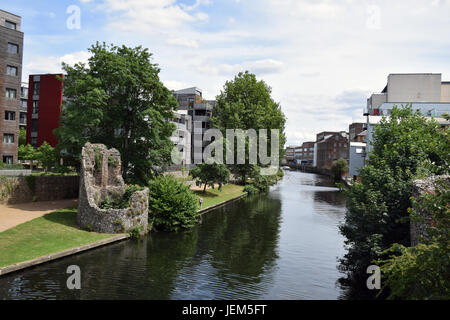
277, 246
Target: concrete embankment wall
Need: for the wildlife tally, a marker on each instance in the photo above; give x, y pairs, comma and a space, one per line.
38, 188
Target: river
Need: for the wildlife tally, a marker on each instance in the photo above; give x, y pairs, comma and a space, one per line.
282, 245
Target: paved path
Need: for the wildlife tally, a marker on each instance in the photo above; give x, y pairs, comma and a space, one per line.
14, 214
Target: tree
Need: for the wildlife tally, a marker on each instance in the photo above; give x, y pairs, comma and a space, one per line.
245, 103
26, 152
406, 146
172, 205
118, 99
338, 168
22, 137
210, 174
423, 272
46, 155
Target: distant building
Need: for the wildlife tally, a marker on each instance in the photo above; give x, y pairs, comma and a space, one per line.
305, 154
182, 138
11, 53
329, 147
357, 158
45, 96
426, 92
354, 130
289, 155
23, 106
200, 110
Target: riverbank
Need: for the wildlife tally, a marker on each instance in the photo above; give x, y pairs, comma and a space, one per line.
56, 234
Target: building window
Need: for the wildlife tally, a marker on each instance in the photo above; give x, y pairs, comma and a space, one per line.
11, 93
24, 104
34, 125
33, 142
8, 159
36, 87
24, 92
11, 71
35, 108
10, 25
10, 115
13, 48
23, 118
8, 138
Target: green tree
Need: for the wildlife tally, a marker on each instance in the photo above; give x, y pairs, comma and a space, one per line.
172, 205
246, 103
210, 174
22, 137
118, 99
338, 168
423, 272
46, 155
406, 145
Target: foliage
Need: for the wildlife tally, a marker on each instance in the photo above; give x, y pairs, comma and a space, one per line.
31, 183
120, 203
47, 156
118, 99
246, 103
22, 136
250, 189
377, 207
26, 152
338, 168
263, 182
172, 205
423, 272
210, 174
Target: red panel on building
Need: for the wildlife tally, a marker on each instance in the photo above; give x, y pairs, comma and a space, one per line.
45, 95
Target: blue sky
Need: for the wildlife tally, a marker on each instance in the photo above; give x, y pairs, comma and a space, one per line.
322, 58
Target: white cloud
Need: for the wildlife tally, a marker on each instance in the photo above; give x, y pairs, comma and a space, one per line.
51, 64
183, 42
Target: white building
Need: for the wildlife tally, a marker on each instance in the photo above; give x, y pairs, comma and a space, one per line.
182, 135
426, 92
357, 157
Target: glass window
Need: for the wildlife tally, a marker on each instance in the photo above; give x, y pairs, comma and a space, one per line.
36, 87
24, 103
34, 125
35, 106
13, 48
8, 138
10, 25
10, 115
8, 159
11, 93
33, 141
11, 71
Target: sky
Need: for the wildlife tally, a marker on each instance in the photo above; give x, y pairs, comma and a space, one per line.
322, 58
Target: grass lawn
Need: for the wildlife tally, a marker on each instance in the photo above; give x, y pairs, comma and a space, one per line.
51, 233
214, 196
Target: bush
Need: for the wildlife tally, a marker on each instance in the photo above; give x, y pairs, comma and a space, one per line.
338, 168
262, 183
172, 205
250, 189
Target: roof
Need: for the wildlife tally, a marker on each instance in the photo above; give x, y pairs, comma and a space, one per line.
188, 90
362, 133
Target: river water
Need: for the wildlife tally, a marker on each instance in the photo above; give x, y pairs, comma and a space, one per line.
283, 245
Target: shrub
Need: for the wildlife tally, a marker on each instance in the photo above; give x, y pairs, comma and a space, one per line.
262, 182
172, 205
338, 168
250, 189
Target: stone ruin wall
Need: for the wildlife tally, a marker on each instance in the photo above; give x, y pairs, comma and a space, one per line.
101, 178
418, 229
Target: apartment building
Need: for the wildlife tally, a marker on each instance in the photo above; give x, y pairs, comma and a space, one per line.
11, 53
426, 92
304, 154
45, 97
182, 135
200, 110
329, 147
23, 106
